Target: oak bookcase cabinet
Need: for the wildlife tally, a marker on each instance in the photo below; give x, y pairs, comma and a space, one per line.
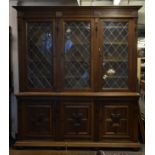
77, 69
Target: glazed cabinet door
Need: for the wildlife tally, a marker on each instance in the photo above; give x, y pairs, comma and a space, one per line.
77, 119
76, 54
117, 55
36, 119
37, 55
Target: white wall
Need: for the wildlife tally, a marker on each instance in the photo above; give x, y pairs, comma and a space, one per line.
14, 51
14, 63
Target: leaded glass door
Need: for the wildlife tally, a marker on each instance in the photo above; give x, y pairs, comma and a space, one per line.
40, 55
115, 55
77, 54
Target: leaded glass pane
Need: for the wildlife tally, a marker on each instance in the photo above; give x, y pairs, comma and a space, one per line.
77, 55
115, 55
39, 54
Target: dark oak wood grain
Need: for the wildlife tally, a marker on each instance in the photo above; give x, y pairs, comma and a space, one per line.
86, 94
87, 144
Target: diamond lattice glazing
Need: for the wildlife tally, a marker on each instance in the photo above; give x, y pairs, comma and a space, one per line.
115, 56
39, 54
77, 55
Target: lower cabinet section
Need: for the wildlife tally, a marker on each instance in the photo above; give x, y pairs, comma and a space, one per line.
84, 119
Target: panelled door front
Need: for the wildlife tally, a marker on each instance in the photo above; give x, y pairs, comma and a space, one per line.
115, 120
36, 119
77, 119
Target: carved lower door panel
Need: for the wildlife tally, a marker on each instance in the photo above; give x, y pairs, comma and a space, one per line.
77, 120
115, 121
36, 120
